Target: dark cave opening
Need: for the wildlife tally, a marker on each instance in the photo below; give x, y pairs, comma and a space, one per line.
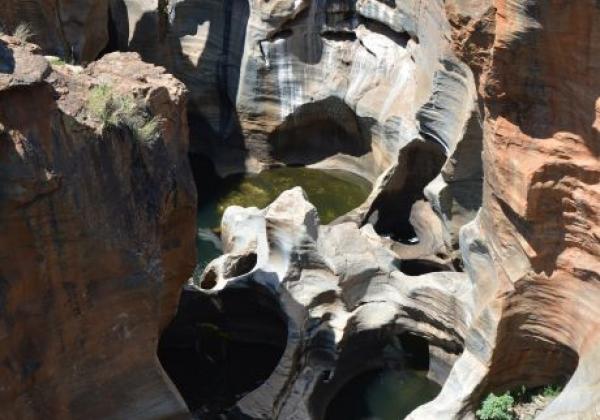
221, 346
319, 130
419, 267
416, 350
418, 164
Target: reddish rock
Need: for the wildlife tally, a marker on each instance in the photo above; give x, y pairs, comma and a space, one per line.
534, 251
97, 233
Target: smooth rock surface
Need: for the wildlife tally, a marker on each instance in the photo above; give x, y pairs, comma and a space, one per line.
337, 285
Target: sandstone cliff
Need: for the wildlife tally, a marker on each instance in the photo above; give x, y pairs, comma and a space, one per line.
97, 228
533, 251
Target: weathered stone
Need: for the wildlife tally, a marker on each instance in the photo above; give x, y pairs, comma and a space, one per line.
336, 287
76, 30
534, 250
97, 232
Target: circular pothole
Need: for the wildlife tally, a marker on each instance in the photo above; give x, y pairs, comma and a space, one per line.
220, 347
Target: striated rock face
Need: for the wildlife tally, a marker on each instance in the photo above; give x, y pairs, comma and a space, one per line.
350, 75
97, 228
76, 30
363, 86
534, 250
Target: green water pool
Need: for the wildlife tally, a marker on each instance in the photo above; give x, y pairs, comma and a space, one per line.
333, 193
384, 394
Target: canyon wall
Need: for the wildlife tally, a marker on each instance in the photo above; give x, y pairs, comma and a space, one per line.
478, 122
97, 224
533, 250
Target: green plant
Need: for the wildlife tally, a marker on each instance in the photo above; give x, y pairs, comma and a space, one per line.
497, 407
123, 111
100, 103
23, 32
150, 130
56, 61
552, 391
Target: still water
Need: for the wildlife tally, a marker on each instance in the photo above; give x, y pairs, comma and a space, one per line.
382, 395
333, 193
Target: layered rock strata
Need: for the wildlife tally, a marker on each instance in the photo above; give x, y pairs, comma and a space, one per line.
97, 228
533, 250
426, 99
350, 75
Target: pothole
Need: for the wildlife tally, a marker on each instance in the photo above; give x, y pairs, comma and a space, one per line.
332, 192
384, 394
378, 376
220, 347
209, 281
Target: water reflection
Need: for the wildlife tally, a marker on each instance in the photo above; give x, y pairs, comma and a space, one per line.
333, 193
383, 394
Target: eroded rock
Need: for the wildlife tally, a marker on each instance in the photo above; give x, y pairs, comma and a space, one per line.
77, 30
97, 230
338, 286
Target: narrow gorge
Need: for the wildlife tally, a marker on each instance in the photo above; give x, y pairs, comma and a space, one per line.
300, 209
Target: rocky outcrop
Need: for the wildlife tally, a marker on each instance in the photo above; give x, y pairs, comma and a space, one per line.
534, 248
75, 30
345, 299
97, 226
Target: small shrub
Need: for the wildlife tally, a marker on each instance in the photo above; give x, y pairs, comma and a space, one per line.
56, 61
552, 391
150, 130
100, 103
122, 111
497, 407
23, 32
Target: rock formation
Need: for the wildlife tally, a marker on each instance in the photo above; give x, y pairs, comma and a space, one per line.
345, 299
478, 250
97, 228
75, 30
534, 249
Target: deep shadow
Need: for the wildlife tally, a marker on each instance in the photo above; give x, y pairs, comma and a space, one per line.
418, 164
208, 182
7, 60
220, 347
319, 130
214, 78
420, 267
416, 350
